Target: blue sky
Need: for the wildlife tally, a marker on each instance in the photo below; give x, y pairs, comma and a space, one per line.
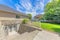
26, 6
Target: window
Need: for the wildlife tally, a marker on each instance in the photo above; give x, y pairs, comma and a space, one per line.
17, 16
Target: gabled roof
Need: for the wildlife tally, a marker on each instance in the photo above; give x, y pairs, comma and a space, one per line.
37, 16
8, 9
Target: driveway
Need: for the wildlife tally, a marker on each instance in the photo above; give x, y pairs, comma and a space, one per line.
35, 35
44, 35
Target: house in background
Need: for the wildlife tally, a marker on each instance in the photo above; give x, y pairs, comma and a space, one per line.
10, 20
38, 17
7, 12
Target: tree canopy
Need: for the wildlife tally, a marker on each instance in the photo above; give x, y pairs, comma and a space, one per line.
29, 16
52, 10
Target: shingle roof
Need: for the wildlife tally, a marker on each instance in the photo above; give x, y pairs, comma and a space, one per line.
8, 9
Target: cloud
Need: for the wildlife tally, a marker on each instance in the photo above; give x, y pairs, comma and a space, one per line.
42, 5
39, 5
42, 13
33, 13
19, 8
28, 6
50, 0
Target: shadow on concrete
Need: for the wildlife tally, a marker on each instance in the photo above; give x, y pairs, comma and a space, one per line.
57, 30
23, 29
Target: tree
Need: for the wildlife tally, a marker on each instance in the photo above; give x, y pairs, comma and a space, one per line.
29, 16
52, 10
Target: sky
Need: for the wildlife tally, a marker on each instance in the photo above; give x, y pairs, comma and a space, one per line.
34, 7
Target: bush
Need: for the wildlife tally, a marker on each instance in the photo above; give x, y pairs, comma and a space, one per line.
25, 21
51, 21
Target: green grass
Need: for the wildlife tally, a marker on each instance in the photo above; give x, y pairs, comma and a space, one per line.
48, 26
37, 24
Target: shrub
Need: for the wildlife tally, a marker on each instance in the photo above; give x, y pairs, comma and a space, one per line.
25, 21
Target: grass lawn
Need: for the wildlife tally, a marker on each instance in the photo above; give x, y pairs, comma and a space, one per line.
48, 26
